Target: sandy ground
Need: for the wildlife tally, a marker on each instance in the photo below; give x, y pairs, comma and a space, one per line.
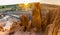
20, 33
17, 33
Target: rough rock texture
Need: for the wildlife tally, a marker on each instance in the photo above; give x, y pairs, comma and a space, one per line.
51, 21
36, 16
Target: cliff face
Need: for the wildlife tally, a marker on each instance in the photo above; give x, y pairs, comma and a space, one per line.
36, 16
50, 19
48, 12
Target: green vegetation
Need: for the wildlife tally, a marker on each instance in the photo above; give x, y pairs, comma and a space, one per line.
7, 7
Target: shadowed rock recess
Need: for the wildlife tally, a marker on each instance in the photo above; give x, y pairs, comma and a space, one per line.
50, 19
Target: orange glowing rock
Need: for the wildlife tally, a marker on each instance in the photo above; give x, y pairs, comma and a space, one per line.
36, 16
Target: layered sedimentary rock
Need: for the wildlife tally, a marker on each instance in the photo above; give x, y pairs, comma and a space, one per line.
36, 16
53, 29
48, 13
51, 21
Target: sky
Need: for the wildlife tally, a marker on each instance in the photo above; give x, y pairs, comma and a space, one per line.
56, 2
8, 2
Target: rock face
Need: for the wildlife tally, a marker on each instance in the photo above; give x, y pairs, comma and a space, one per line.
53, 29
51, 21
25, 22
36, 16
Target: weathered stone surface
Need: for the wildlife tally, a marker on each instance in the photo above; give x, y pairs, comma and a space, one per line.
36, 16
52, 24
